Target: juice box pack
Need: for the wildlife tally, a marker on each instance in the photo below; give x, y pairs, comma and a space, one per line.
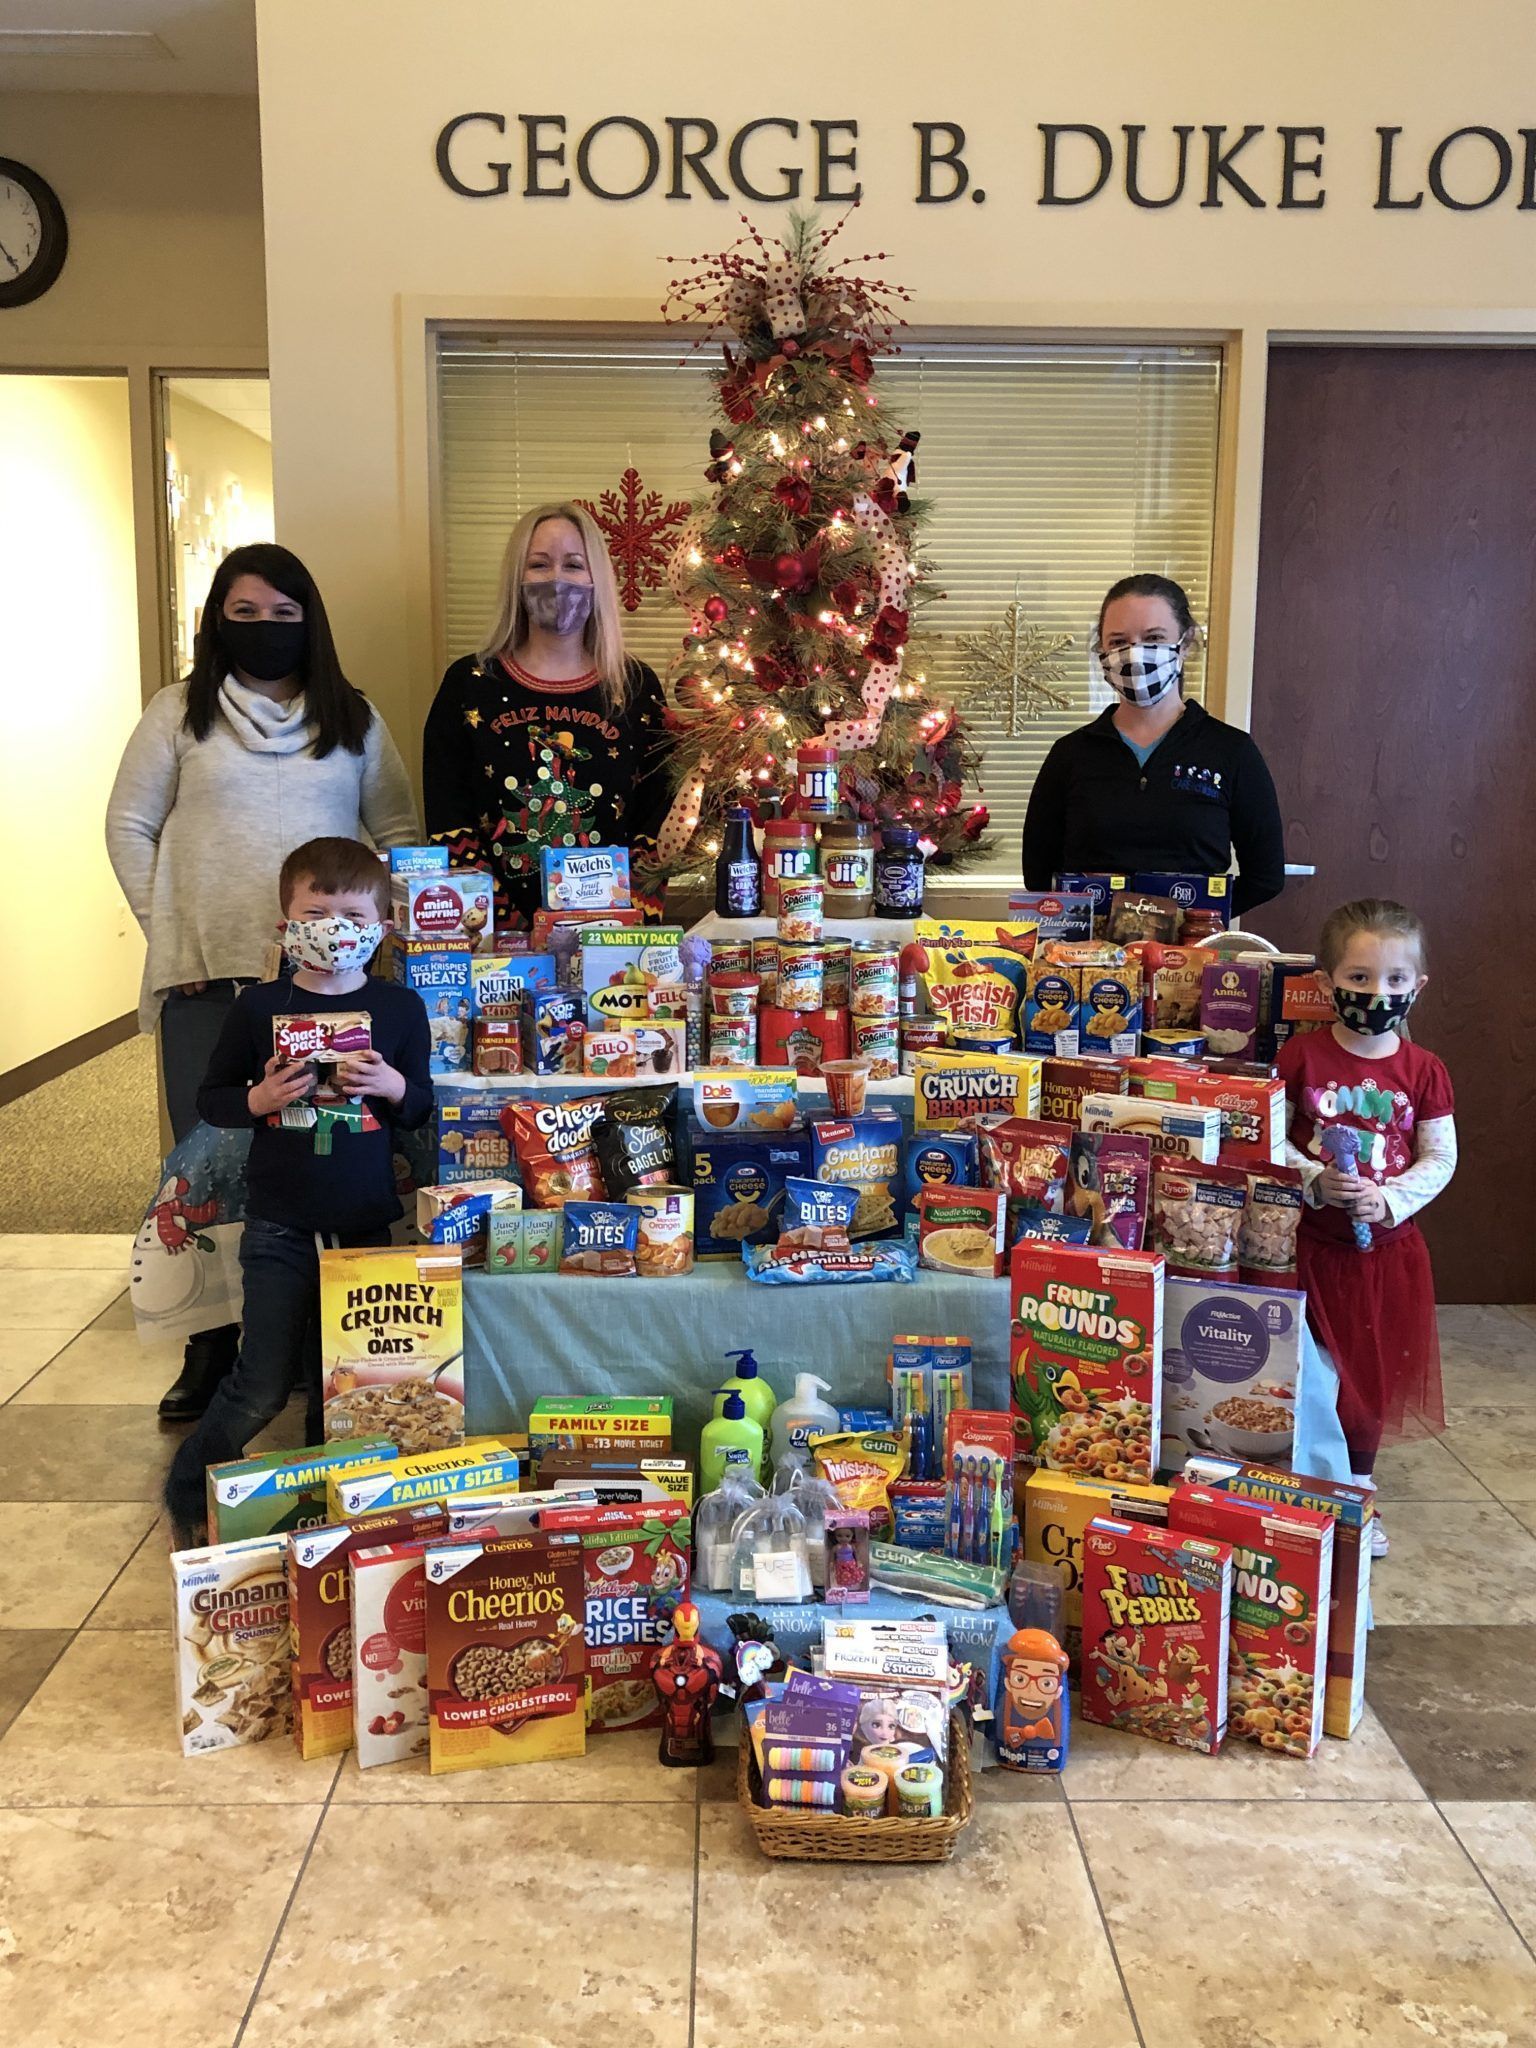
277, 1491
1085, 1358
1057, 1508
1155, 1620
392, 1345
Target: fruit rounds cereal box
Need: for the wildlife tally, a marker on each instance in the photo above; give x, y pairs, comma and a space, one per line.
1155, 1615
1282, 1569
506, 1652
392, 1345
1085, 1358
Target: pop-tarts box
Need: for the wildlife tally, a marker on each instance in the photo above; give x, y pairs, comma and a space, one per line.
471, 1143
553, 1032
1060, 913
586, 877
500, 979
1190, 892
620, 968
1100, 887
442, 977
418, 860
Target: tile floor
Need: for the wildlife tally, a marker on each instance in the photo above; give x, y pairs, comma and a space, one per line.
1385, 1894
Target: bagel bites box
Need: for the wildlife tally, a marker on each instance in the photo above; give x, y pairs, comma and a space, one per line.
1085, 1358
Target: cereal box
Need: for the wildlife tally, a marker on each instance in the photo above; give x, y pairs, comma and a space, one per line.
481, 1467
1086, 1346
635, 1564
320, 1621
863, 1152
1057, 1508
738, 1184
1109, 1016
619, 968
643, 1422
1184, 1128
457, 907
418, 860
392, 1345
1232, 1007
442, 977
618, 1478
471, 1143
586, 877
1064, 1084
1349, 1620
948, 1088
1231, 1370
1155, 1618
231, 1644
501, 981
281, 1490
1053, 1000
1059, 913
506, 1651
1252, 1106
1282, 1570
459, 1213
389, 1650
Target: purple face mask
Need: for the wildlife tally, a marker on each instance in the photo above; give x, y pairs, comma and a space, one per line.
557, 606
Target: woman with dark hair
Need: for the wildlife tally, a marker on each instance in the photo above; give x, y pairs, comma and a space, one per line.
265, 745
1154, 783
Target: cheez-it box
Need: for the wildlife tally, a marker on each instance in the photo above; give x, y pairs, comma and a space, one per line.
1085, 1358
1155, 1622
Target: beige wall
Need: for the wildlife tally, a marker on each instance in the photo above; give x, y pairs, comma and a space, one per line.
69, 654
224, 473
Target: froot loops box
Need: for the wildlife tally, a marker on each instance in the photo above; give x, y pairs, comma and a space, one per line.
1085, 1358
1156, 1607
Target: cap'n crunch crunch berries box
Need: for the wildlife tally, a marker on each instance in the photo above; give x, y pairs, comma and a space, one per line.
951, 1087
1155, 1618
1085, 1358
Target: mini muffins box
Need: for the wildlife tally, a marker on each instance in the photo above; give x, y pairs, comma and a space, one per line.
482, 1467
506, 1651
1282, 1571
471, 1144
389, 1650
1186, 1129
1057, 1508
1155, 1619
643, 1421
620, 968
392, 1345
231, 1628
1232, 1365
948, 1088
1065, 1084
456, 907
278, 1491
1085, 1358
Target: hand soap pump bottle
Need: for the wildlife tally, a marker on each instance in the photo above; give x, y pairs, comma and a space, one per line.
747, 1380
801, 1417
730, 1438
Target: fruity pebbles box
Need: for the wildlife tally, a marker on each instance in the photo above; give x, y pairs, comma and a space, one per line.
1155, 1617
1085, 1358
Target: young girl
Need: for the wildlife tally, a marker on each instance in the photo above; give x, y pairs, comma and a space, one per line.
1373, 1309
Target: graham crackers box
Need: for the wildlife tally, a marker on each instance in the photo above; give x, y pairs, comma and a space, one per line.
392, 1345
1057, 1508
1085, 1358
506, 1651
279, 1491
1156, 1607
635, 1562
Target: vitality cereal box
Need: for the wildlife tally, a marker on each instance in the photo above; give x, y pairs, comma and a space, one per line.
281, 1490
231, 1621
1182, 1128
635, 1562
1058, 1506
1232, 1364
643, 1422
392, 1345
1282, 1570
471, 1143
620, 968
485, 1466
1155, 1619
389, 1650
948, 1088
1085, 1358
506, 1651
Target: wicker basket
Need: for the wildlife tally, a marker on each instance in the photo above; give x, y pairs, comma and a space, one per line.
837, 1838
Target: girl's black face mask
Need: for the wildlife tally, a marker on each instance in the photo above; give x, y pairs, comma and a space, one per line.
267, 649
1372, 1015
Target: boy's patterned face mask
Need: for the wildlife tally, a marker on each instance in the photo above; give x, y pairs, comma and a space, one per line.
1142, 673
1372, 1015
331, 945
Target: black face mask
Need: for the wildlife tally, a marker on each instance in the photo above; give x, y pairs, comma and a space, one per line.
1372, 1015
267, 649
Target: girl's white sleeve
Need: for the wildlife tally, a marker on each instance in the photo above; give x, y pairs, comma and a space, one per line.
1310, 1170
1434, 1161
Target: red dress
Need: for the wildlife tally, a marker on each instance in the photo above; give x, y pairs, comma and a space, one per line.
1375, 1311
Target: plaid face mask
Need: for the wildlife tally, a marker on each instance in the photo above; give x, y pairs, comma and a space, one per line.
1142, 673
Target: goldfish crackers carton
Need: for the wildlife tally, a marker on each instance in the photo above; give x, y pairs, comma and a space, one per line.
1085, 1358
392, 1344
1155, 1617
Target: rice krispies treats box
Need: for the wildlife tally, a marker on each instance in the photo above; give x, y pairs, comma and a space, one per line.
230, 1619
389, 1649
1282, 1573
1155, 1624
635, 1563
1057, 1508
1085, 1358
392, 1345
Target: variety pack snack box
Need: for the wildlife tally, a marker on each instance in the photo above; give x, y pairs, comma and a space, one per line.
620, 968
1155, 1627
1085, 1358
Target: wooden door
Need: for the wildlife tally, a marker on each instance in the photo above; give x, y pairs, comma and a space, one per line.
1394, 697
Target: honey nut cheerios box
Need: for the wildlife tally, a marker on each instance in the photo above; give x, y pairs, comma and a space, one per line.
1057, 1508
1282, 1571
1156, 1606
392, 1344
1085, 1358
635, 1561
231, 1628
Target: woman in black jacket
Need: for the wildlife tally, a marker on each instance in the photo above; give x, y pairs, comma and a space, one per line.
551, 735
1155, 783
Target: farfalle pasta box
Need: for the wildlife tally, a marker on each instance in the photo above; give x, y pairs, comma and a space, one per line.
1085, 1358
1156, 1612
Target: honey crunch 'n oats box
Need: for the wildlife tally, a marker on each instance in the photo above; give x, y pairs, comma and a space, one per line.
1085, 1358
231, 1620
392, 1344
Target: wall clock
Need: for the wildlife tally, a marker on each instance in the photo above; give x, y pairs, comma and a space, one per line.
34, 236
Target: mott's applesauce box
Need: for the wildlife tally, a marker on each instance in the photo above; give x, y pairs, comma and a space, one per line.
643, 1423
392, 1345
620, 968
485, 1466
950, 1087
282, 1490
635, 1563
1058, 1506
1085, 1358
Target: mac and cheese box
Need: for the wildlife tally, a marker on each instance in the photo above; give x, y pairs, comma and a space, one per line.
1085, 1358
1156, 1607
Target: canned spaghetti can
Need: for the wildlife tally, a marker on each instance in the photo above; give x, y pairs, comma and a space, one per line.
835, 972
802, 977
921, 1034
730, 956
873, 987
665, 1242
876, 1039
801, 899
732, 1041
765, 965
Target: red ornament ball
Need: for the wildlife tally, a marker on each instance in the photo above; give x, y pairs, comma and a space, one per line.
786, 570
716, 610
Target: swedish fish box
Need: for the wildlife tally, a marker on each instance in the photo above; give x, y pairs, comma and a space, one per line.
644, 1421
482, 1467
973, 974
1058, 1506
620, 968
282, 1490
392, 1345
948, 1088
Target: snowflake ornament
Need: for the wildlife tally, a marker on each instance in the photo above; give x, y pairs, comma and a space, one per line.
636, 524
1012, 667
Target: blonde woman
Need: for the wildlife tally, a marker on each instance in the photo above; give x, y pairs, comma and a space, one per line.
550, 735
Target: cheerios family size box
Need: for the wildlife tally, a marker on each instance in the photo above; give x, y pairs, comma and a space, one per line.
278, 1491
1156, 1606
485, 1466
1085, 1358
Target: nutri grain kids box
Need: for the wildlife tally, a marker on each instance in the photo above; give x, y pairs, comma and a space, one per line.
1155, 1620
278, 1491
506, 1651
231, 1624
392, 1345
1232, 1365
1282, 1570
635, 1561
1058, 1506
1085, 1358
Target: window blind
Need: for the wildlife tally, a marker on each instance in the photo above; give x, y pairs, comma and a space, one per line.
1049, 471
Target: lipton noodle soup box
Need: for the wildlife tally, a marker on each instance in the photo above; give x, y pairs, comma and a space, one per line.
231, 1623
392, 1344
506, 1652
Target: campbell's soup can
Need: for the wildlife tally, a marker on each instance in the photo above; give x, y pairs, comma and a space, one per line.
835, 962
732, 1041
802, 977
664, 1246
873, 981
765, 965
730, 956
921, 1034
877, 1040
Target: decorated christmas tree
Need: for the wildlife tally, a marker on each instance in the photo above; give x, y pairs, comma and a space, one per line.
801, 573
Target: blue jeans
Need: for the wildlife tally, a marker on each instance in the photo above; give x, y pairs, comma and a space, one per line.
279, 1350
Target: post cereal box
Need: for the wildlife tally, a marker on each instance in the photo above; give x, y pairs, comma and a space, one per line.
392, 1345
389, 1650
1282, 1572
951, 1087
1155, 1616
506, 1652
1058, 1506
1085, 1358
635, 1562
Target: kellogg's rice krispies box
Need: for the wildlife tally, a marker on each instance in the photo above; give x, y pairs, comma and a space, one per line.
1058, 1506
948, 1088
441, 976
281, 1490
1155, 1618
506, 1651
633, 1559
392, 1345
1085, 1359
1232, 1364
1282, 1570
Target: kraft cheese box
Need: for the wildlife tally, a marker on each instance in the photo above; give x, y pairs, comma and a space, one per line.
738, 1184
586, 877
620, 968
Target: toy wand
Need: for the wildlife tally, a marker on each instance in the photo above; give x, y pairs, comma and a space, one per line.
1342, 1145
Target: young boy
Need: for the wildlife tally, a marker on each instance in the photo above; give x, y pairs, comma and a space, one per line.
311, 1178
